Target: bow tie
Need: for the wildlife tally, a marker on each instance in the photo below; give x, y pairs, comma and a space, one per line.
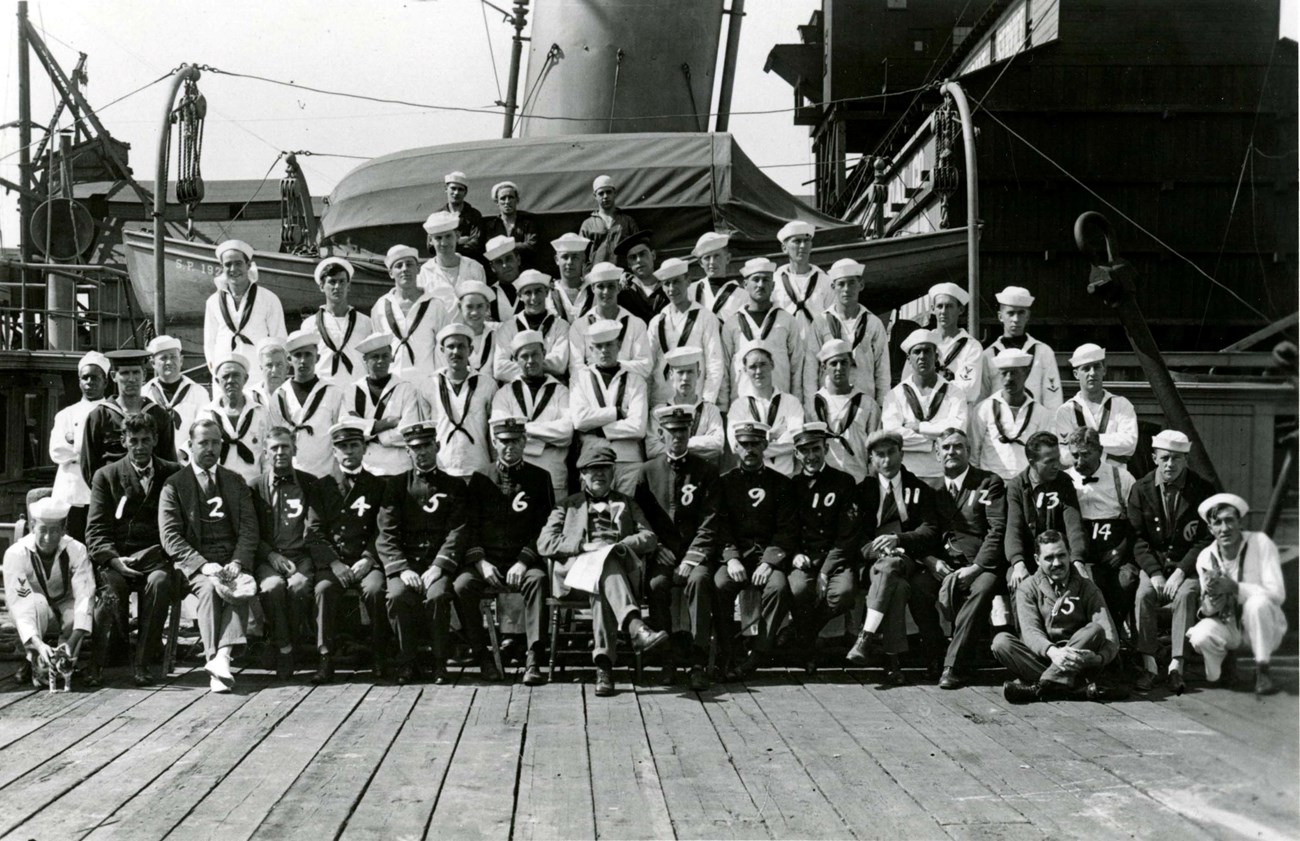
1088, 480
277, 480
428, 477
677, 464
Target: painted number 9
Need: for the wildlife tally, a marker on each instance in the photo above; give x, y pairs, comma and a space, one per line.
758, 495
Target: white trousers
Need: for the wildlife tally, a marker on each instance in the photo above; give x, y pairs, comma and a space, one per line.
35, 611
1262, 626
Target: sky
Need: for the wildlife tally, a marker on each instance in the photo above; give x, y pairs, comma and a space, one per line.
429, 51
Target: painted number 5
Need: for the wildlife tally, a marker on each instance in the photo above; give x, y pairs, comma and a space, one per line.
758, 495
432, 504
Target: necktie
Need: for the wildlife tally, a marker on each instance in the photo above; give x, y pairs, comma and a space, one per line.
1170, 497
207, 484
146, 479
952, 489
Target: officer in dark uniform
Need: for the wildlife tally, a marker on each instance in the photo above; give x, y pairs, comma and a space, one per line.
512, 500
342, 522
757, 528
823, 582
678, 493
423, 534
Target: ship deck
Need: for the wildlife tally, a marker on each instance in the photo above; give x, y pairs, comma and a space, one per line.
784, 756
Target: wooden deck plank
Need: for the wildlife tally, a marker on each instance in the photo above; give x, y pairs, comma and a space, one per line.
319, 802
627, 795
1245, 718
477, 799
237, 805
868, 800
45, 783
165, 802
951, 793
404, 790
703, 790
82, 809
554, 795
790, 802
38, 710
13, 693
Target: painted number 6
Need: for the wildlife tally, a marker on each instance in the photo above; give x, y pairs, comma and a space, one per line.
520, 503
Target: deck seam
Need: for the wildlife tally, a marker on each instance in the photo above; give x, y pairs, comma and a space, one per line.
437, 795
356, 801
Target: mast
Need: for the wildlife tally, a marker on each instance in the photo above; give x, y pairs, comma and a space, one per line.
24, 164
516, 54
737, 12
186, 74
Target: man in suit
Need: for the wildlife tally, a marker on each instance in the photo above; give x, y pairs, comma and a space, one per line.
678, 493
512, 500
101, 437
973, 516
342, 521
823, 578
423, 535
1066, 633
209, 528
124, 544
758, 532
284, 567
900, 522
1039, 498
1167, 538
601, 536
48, 584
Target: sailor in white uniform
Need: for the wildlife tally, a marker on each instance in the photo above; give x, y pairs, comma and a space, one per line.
922, 406
801, 288
532, 288
1003, 422
960, 354
633, 338
387, 403
760, 400
307, 405
609, 402
181, 397
707, 431
340, 325
1044, 381
244, 422
845, 318
718, 292
850, 415
1112, 416
459, 406
683, 324
475, 298
240, 313
570, 297
412, 317
446, 270
65, 441
762, 321
542, 401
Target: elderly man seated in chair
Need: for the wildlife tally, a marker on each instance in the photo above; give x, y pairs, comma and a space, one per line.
49, 587
598, 538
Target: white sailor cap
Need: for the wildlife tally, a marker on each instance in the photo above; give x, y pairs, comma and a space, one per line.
95, 358
605, 330
710, 242
751, 345
441, 221
757, 265
846, 267
1087, 354
231, 357
455, 329
919, 337
834, 348
1012, 358
398, 252
671, 268
603, 181
456, 177
159, 344
952, 290
684, 357
49, 510
570, 243
322, 268
350, 428
501, 185
795, 228
1015, 296
499, 247
1172, 441
235, 245
302, 339
531, 277
374, 342
524, 338
474, 287
1210, 503
603, 272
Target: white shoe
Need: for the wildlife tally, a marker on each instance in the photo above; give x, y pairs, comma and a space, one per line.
216, 684
219, 668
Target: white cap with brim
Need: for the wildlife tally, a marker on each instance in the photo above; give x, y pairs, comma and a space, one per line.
1012, 358
159, 344
846, 267
684, 357
374, 342
750, 430
302, 339
603, 272
1015, 296
757, 265
322, 268
919, 337
49, 510
1087, 354
350, 428
231, 358
671, 268
795, 228
499, 247
1172, 441
531, 277
455, 329
524, 338
709, 243
605, 330
1210, 503
95, 358
441, 222
952, 290
833, 349
570, 244
398, 252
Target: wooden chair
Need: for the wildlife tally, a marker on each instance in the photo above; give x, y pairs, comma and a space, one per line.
571, 604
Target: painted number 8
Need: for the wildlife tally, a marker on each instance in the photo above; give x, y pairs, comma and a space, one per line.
758, 495
688, 494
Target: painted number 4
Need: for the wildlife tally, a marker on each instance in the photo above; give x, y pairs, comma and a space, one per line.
360, 506
1101, 530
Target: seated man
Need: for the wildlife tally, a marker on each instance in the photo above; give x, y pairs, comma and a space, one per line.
342, 522
758, 532
678, 493
1241, 578
602, 518
1168, 536
823, 578
707, 431
284, 567
973, 515
49, 585
423, 535
1041, 498
512, 500
1103, 491
900, 524
1066, 633
209, 528
123, 542
543, 401
609, 405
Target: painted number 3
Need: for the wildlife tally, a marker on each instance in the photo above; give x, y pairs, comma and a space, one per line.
520, 502
758, 495
432, 505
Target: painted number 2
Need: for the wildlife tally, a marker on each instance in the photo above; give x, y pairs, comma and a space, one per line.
216, 513
758, 495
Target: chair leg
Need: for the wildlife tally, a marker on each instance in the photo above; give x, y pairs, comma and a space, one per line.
492, 635
173, 631
555, 637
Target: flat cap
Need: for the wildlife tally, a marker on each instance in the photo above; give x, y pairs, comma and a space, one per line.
127, 357
596, 453
882, 435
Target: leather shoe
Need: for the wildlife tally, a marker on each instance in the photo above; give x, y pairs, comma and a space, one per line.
1145, 682
1264, 684
749, 666
668, 674
1101, 692
533, 676
604, 682
407, 673
700, 679
868, 644
1176, 682
1019, 692
934, 669
441, 677
94, 676
644, 639
324, 671
894, 676
284, 665
950, 679
140, 676
487, 668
